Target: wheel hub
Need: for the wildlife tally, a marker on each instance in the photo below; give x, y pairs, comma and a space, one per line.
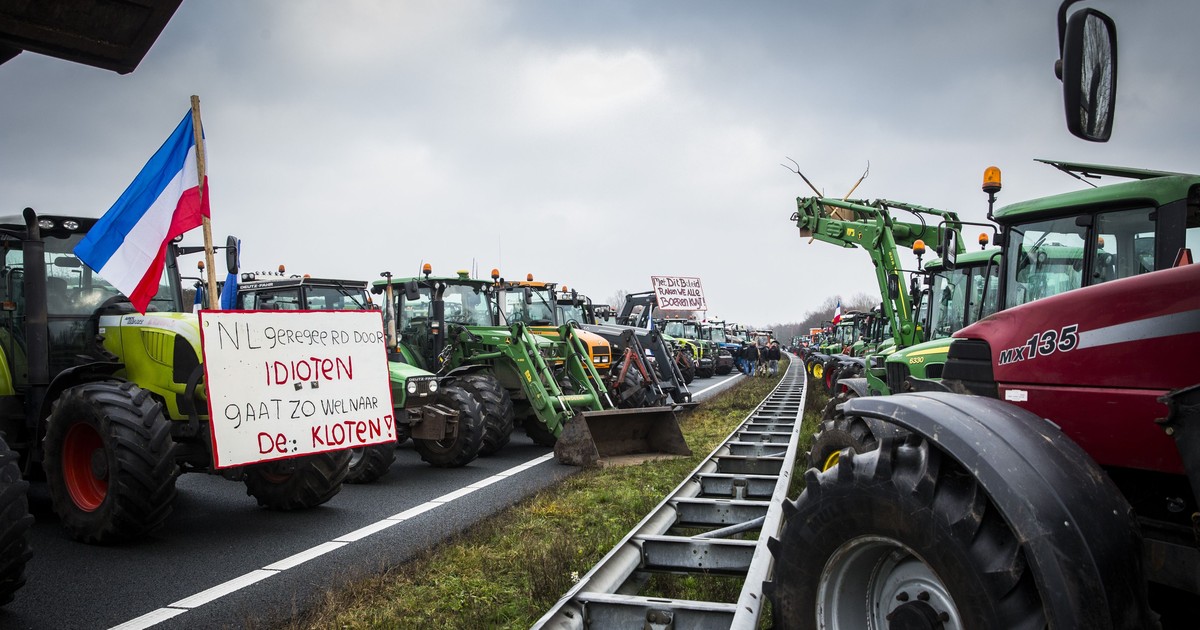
99, 465
916, 616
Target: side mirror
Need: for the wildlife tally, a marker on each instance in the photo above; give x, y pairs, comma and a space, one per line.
893, 286
1089, 74
411, 292
528, 295
232, 245
948, 247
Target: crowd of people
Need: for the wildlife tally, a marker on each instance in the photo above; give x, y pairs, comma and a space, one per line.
761, 360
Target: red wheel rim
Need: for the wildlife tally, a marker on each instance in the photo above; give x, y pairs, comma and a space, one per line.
80, 446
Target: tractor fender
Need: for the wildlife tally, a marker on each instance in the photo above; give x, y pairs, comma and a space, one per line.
857, 386
462, 371
72, 376
1079, 533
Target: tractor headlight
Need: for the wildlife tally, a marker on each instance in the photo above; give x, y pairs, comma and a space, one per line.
433, 386
411, 387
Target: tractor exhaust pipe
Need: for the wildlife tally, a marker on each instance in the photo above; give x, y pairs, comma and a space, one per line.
620, 436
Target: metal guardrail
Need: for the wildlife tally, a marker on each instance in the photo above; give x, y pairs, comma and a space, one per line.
739, 488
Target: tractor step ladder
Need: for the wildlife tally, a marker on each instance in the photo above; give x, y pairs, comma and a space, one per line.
739, 489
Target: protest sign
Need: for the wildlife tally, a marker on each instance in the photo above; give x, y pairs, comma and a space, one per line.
291, 383
679, 293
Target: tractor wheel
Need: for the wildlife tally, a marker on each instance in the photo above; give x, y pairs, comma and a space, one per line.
497, 407
370, 462
829, 375
817, 370
298, 483
722, 370
462, 447
631, 391
15, 523
837, 432
402, 434
900, 537
704, 373
110, 461
687, 367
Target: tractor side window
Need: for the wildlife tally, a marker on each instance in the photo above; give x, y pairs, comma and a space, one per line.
414, 313
981, 282
1192, 234
1043, 258
1124, 245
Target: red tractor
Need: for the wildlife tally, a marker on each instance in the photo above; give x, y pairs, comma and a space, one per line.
1051, 477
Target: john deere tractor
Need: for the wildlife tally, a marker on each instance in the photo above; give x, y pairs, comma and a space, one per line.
421, 406
545, 381
108, 403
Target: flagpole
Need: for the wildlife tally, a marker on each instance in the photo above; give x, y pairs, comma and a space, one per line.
205, 223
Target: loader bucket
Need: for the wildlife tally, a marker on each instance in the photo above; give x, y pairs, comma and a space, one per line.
620, 436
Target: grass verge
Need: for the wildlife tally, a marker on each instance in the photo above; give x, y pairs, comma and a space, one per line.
507, 571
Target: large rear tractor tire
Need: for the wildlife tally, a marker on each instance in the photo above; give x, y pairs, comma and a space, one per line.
110, 462
900, 536
298, 483
462, 447
497, 409
539, 433
15, 523
370, 462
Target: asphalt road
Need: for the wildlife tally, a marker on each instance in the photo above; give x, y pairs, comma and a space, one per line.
221, 561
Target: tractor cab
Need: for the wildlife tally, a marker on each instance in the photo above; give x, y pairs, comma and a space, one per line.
424, 309
302, 293
538, 305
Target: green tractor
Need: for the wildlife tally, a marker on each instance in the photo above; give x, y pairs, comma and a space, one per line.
544, 381
418, 399
108, 403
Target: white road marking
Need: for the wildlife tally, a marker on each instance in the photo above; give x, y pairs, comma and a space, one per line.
160, 615
718, 384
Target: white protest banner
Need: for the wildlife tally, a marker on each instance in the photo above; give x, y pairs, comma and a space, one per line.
679, 293
291, 383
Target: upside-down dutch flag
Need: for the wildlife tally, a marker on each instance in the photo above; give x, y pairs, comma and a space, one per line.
127, 246
837, 313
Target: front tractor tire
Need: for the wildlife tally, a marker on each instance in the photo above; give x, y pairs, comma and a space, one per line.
109, 462
497, 407
687, 367
297, 483
463, 445
837, 432
900, 536
15, 523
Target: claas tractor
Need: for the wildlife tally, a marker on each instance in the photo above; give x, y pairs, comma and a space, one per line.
108, 403
546, 381
418, 400
1050, 478
703, 351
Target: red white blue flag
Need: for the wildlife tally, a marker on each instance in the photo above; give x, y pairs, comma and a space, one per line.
127, 246
837, 313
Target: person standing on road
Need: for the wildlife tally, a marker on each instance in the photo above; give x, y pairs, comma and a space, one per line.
773, 358
750, 358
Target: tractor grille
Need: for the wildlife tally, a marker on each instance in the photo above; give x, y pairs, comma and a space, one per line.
897, 373
157, 344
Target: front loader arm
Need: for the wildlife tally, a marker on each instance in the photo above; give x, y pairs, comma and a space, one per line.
871, 226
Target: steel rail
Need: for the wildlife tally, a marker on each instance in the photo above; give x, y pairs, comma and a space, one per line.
739, 488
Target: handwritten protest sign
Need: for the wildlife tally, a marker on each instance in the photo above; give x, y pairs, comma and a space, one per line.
291, 383
679, 293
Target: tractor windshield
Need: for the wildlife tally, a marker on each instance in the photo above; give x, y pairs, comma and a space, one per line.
466, 305
337, 298
1049, 257
569, 312
539, 311
74, 289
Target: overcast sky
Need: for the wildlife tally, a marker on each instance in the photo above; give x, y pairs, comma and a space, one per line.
591, 143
